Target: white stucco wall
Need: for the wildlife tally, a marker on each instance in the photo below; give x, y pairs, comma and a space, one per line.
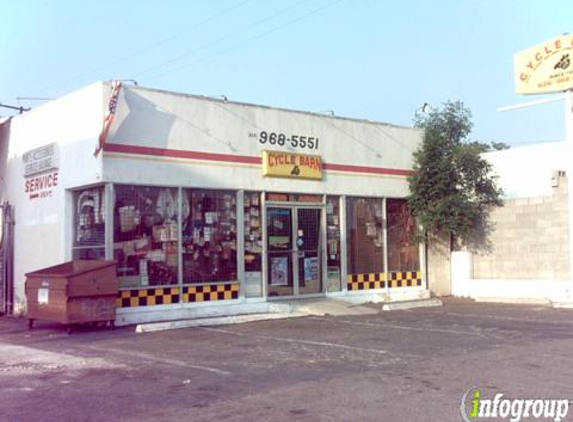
42, 224
177, 122
526, 171
366, 158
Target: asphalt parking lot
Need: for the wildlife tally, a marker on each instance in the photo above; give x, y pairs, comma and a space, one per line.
390, 366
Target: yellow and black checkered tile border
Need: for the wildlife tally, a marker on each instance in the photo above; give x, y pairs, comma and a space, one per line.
379, 280
366, 281
148, 297
210, 293
405, 279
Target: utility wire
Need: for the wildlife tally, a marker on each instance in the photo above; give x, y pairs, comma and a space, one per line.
249, 40
326, 119
149, 47
351, 136
389, 135
217, 41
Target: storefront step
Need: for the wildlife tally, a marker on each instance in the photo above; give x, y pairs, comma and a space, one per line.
331, 307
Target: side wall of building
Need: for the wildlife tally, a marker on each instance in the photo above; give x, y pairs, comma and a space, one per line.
530, 240
530, 246
42, 213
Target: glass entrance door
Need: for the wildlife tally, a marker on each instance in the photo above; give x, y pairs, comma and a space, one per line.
309, 251
280, 252
294, 257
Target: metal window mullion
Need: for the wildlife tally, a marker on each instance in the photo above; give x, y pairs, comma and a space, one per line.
180, 243
109, 194
385, 239
98, 246
294, 253
343, 245
240, 239
264, 252
324, 246
70, 228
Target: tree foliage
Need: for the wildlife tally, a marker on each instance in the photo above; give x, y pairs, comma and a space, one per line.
452, 189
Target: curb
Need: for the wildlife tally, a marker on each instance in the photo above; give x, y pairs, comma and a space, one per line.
400, 306
562, 305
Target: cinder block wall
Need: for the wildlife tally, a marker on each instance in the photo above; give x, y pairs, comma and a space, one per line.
530, 240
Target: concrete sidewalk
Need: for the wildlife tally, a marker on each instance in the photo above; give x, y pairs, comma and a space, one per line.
291, 309
404, 365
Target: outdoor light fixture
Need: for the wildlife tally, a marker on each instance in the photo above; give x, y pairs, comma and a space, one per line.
220, 97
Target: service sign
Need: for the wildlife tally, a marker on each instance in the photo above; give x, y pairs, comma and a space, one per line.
41, 159
41, 171
296, 166
545, 68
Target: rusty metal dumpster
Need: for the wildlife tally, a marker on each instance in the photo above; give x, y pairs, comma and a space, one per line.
72, 293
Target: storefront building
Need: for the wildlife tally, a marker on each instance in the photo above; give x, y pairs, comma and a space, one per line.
207, 204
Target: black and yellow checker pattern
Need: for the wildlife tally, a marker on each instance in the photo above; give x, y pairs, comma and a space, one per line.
366, 281
148, 297
405, 279
210, 293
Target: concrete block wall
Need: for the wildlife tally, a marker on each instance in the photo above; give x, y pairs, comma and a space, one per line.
530, 240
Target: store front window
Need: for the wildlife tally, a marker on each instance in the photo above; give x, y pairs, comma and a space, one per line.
146, 235
209, 236
403, 251
253, 239
89, 224
365, 235
253, 232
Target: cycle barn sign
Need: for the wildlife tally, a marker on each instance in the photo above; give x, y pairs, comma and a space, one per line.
41, 171
286, 164
545, 68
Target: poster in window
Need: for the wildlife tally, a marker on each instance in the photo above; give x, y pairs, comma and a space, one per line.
279, 271
310, 269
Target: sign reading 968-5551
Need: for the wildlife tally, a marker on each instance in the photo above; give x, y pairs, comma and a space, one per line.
289, 140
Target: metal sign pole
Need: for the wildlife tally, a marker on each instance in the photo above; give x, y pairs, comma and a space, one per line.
569, 141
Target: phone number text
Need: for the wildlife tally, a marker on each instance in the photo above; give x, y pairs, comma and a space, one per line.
294, 141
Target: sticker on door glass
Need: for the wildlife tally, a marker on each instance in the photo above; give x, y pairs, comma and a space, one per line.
310, 269
279, 271
279, 242
43, 296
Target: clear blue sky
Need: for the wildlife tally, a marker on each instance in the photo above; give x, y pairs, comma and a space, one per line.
379, 60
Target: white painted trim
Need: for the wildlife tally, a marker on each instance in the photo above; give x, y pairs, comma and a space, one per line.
140, 315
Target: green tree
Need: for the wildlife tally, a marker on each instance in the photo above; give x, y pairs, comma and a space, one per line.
452, 189
498, 146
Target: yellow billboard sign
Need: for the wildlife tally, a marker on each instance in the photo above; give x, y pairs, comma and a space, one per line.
296, 166
546, 67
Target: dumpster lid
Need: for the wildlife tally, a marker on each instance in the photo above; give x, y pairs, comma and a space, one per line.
74, 267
